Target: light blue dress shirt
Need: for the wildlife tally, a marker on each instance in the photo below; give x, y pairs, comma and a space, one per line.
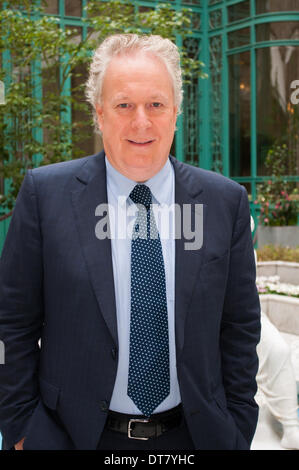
122, 215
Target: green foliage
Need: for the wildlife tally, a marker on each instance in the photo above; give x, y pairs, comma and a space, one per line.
38, 61
32, 128
278, 198
278, 253
117, 16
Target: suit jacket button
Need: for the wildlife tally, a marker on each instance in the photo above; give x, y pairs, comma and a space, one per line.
104, 405
114, 353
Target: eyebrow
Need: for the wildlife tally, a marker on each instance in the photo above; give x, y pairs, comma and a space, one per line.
121, 96
159, 97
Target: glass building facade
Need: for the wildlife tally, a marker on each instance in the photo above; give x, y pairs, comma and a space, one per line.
247, 104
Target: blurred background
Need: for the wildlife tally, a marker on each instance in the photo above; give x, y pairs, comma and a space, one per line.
240, 115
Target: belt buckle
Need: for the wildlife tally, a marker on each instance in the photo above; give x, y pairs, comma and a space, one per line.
137, 420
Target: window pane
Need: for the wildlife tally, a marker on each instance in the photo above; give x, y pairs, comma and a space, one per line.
239, 11
51, 89
51, 6
195, 20
191, 109
277, 111
268, 6
239, 38
215, 19
239, 93
83, 135
73, 7
248, 188
279, 30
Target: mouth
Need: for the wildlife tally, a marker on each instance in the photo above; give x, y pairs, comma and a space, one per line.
141, 143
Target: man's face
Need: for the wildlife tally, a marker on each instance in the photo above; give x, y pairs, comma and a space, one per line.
137, 115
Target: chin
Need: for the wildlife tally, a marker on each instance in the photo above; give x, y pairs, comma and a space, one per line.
140, 172
140, 162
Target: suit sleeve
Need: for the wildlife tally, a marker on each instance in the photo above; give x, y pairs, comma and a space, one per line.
21, 315
240, 331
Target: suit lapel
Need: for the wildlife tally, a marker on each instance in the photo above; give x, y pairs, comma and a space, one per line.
92, 191
188, 190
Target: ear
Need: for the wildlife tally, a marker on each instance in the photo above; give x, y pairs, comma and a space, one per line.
100, 115
175, 114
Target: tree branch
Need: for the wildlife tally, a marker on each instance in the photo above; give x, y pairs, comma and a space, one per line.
5, 216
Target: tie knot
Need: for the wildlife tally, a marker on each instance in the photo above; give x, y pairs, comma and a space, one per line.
141, 194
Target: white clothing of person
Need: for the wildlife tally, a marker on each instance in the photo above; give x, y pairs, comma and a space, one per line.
276, 380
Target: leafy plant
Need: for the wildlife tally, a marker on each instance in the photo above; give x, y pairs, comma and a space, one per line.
33, 127
278, 198
40, 59
278, 253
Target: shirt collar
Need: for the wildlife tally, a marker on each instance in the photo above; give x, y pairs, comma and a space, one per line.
120, 185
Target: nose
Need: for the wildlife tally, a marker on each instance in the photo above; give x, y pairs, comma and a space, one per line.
141, 119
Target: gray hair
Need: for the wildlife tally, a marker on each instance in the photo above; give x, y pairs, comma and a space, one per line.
118, 44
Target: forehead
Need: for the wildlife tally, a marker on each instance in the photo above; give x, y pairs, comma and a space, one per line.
134, 72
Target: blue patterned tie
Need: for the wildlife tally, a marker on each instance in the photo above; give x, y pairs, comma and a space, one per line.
148, 382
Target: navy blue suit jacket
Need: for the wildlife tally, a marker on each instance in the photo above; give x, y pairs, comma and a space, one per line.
56, 284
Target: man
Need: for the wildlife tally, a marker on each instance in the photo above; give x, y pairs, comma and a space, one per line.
147, 341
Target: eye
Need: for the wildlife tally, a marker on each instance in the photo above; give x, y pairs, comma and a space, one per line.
123, 105
156, 105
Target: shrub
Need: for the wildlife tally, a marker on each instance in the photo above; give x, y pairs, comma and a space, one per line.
278, 253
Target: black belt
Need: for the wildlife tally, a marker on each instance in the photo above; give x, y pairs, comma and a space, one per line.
142, 427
